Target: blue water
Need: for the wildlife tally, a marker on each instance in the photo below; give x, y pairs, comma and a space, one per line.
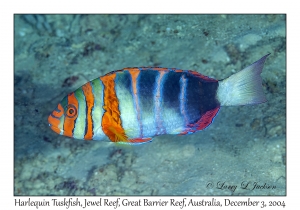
243, 149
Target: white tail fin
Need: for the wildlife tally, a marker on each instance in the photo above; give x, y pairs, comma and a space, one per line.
244, 87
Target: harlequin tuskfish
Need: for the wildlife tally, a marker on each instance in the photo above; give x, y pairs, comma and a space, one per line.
135, 104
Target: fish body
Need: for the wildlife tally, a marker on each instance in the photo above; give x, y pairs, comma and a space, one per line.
135, 104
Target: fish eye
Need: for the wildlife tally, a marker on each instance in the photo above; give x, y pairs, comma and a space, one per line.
71, 111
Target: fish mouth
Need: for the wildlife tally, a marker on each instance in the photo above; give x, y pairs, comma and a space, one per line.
55, 118
53, 124
56, 129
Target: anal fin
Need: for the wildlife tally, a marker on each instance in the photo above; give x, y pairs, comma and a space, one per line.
202, 123
137, 141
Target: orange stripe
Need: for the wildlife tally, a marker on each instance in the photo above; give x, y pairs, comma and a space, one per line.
89, 97
134, 74
53, 118
70, 121
111, 121
59, 113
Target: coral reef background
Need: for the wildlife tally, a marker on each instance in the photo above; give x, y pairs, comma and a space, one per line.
244, 147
